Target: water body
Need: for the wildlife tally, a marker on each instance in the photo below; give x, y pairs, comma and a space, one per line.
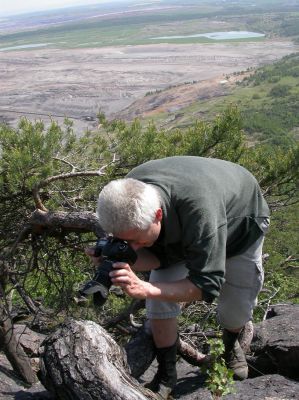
217, 35
25, 46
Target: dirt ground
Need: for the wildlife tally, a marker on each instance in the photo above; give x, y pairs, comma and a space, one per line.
79, 83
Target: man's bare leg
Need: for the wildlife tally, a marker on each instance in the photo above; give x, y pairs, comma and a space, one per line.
164, 331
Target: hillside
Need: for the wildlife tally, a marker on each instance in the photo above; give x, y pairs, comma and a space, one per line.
267, 97
77, 61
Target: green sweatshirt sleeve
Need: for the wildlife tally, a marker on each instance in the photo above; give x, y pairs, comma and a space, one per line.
206, 263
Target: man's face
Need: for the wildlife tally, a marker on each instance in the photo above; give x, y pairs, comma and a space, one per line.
143, 238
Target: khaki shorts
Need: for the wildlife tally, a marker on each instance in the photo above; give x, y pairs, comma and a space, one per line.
244, 278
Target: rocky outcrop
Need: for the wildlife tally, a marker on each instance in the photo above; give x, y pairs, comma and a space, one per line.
81, 359
267, 387
275, 344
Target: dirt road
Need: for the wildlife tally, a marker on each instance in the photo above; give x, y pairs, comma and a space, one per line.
79, 83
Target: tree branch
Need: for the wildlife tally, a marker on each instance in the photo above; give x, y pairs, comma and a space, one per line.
57, 221
35, 191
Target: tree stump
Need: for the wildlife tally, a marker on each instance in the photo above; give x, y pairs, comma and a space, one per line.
81, 361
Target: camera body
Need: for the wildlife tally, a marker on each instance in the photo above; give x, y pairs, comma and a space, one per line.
110, 250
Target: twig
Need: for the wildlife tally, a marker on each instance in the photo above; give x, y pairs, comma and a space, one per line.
269, 302
36, 196
134, 306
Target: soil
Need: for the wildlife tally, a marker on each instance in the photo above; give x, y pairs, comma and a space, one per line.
78, 83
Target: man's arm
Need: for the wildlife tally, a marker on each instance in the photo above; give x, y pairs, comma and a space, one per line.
179, 291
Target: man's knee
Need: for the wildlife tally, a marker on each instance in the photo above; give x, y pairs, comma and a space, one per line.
161, 310
243, 281
156, 309
230, 316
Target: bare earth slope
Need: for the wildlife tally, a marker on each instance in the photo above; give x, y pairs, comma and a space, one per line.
79, 83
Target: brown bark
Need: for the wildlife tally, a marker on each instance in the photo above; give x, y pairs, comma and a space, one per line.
192, 355
81, 361
11, 346
15, 354
59, 221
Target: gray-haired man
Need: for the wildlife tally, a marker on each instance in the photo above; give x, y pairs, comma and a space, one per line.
198, 224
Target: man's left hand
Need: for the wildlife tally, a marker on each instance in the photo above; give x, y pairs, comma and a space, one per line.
123, 276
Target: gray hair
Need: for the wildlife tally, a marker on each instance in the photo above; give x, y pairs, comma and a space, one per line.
126, 204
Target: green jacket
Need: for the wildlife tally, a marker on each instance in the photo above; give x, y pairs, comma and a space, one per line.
212, 210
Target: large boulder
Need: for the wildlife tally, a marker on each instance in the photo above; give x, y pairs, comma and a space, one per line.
267, 387
275, 344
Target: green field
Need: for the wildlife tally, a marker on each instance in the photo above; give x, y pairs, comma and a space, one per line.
269, 17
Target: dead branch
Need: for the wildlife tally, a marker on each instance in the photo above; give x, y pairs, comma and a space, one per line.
36, 196
25, 297
84, 221
8, 341
290, 259
134, 306
192, 355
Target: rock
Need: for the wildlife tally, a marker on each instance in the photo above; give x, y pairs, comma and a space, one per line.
81, 361
275, 344
190, 384
140, 352
29, 340
12, 388
268, 387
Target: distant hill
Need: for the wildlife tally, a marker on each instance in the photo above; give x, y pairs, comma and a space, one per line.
267, 97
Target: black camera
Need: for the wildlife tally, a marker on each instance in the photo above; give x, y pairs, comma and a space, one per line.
111, 250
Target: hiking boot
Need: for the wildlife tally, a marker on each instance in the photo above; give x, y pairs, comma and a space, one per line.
153, 385
245, 336
234, 355
164, 392
166, 377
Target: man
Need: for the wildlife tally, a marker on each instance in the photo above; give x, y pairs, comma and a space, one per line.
198, 224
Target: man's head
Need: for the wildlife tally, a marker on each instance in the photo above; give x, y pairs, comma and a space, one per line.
131, 210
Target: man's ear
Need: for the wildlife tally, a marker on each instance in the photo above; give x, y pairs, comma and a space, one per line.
159, 214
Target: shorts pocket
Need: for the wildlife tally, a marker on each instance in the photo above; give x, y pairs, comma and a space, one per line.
260, 275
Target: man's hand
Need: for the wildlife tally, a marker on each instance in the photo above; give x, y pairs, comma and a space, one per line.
89, 251
179, 291
123, 276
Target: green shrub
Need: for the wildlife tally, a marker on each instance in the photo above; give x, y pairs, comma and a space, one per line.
220, 379
280, 91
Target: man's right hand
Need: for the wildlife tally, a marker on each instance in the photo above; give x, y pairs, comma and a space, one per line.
89, 251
